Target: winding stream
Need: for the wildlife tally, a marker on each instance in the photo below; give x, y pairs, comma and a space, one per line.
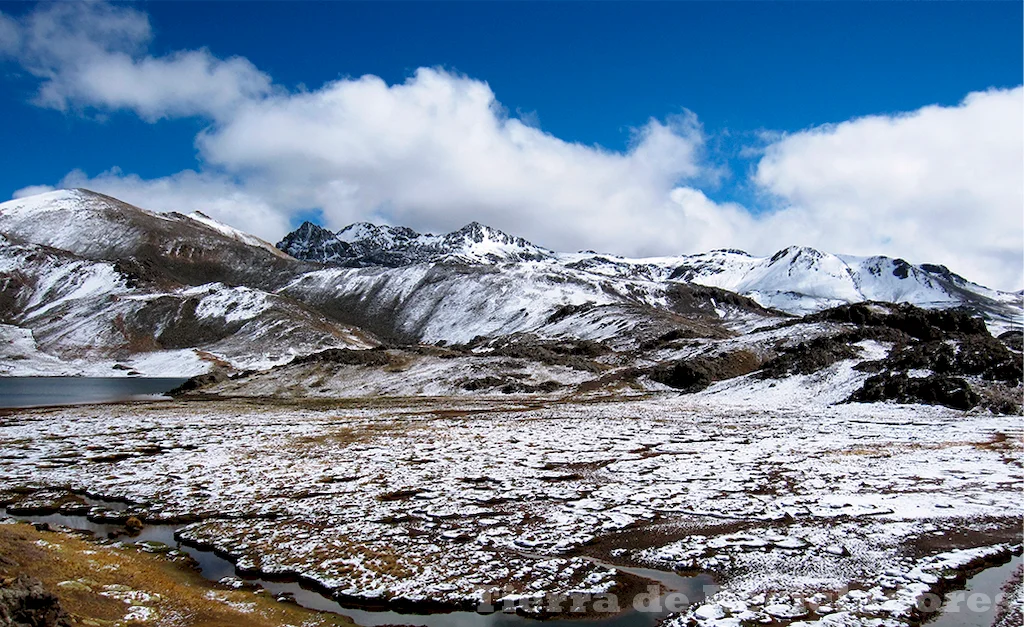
215, 568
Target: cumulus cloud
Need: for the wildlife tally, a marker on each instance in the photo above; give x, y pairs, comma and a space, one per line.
941, 184
92, 54
437, 151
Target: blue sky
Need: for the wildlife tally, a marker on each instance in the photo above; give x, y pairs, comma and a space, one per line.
594, 74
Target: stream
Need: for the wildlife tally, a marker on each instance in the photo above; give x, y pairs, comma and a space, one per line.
988, 582
215, 568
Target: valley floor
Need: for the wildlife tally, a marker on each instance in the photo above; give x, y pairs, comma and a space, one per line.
844, 514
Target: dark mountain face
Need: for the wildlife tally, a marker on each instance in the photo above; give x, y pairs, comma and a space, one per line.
315, 243
363, 245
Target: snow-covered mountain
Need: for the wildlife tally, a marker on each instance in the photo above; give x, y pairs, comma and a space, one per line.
171, 247
364, 244
801, 280
795, 280
91, 284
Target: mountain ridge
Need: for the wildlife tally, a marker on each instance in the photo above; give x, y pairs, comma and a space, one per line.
364, 244
795, 279
92, 285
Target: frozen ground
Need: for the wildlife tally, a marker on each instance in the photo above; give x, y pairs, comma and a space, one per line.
442, 499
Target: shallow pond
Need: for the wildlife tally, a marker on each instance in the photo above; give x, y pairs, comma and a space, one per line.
989, 583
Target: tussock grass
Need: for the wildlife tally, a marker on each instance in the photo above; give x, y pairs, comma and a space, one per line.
78, 571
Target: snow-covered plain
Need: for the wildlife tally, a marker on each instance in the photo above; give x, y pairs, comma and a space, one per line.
443, 499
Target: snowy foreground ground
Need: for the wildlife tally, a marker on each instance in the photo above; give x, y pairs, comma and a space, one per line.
845, 515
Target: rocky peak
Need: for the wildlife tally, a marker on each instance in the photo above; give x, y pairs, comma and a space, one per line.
367, 244
312, 242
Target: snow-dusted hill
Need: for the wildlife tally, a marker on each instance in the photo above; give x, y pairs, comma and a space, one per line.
107, 289
456, 302
171, 247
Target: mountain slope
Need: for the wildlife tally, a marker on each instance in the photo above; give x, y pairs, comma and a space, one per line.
456, 302
92, 280
802, 280
63, 313
168, 247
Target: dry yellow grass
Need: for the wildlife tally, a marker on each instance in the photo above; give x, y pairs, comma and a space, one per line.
997, 442
93, 582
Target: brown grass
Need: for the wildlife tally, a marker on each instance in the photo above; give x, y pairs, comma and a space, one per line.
185, 598
999, 442
347, 435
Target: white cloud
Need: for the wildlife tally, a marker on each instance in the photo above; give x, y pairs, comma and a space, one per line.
436, 152
91, 54
10, 36
941, 184
32, 190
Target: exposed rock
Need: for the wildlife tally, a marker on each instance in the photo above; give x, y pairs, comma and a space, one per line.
576, 354
981, 356
1013, 339
200, 381
25, 603
344, 356
508, 385
936, 389
693, 375
923, 324
811, 356
692, 298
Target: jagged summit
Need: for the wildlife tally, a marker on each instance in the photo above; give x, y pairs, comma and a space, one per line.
365, 244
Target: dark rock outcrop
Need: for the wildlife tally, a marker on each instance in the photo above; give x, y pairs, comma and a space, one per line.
693, 375
25, 603
932, 390
923, 324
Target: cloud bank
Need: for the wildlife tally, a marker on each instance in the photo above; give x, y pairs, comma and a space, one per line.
940, 184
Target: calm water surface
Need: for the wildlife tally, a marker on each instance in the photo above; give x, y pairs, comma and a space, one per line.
988, 582
44, 391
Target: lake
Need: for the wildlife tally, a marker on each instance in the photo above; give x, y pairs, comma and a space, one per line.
44, 391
